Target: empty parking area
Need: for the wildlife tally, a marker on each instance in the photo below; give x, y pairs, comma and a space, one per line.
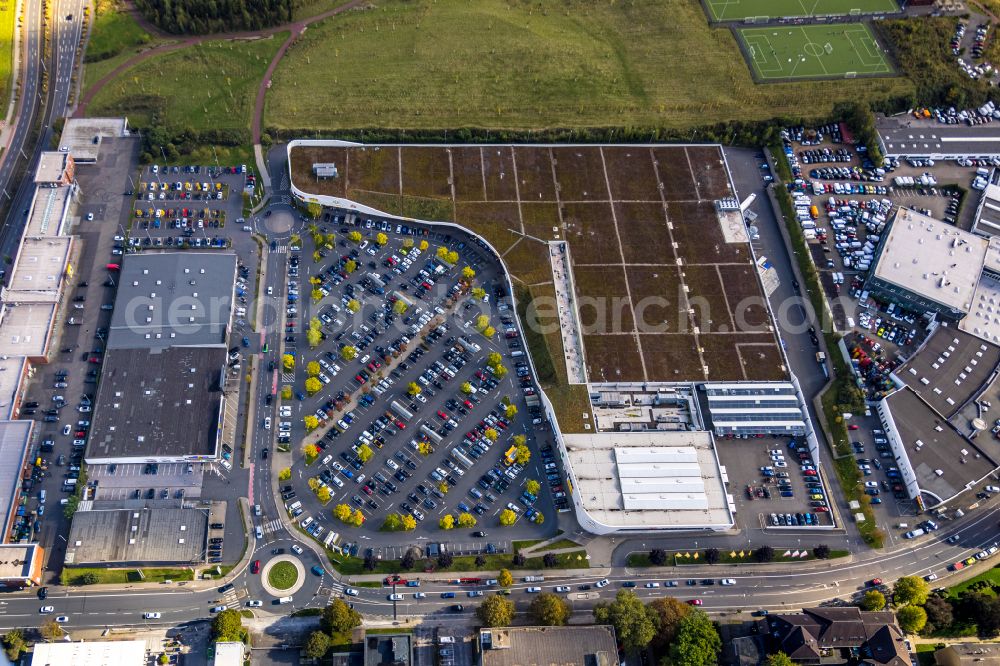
738, 10
791, 52
665, 290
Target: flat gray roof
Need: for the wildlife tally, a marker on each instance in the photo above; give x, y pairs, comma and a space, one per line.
39, 269
932, 258
653, 479
82, 136
951, 369
157, 405
544, 646
49, 210
24, 329
12, 369
173, 298
140, 535
918, 138
944, 462
51, 165
14, 439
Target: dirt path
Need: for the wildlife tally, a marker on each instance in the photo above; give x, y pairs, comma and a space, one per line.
295, 29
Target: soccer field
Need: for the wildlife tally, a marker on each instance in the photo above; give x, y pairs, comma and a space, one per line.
787, 53
737, 10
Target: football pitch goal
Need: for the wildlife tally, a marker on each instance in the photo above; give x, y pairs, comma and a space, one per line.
761, 10
843, 50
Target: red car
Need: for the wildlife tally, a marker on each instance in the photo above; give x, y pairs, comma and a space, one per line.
853, 427
809, 472
695, 602
442, 415
255, 567
874, 582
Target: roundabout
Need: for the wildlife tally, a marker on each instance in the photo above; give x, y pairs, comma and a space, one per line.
283, 576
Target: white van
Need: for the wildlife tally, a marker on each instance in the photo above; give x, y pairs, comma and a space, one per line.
260, 532
285, 600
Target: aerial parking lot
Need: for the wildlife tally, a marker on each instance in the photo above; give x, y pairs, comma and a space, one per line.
414, 412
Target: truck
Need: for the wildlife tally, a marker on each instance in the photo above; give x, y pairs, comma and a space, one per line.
457, 454
821, 359
402, 411
436, 438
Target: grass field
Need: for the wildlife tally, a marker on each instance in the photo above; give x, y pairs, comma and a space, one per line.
114, 30
736, 10
75, 575
209, 86
478, 63
282, 575
8, 19
814, 51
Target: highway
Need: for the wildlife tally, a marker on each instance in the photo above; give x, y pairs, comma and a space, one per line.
67, 34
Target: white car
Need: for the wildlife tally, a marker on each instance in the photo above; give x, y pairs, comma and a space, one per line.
728, 581
419, 595
601, 583
871, 484
350, 591
151, 616
338, 482
652, 585
297, 549
46, 609
930, 577
780, 463
62, 619
533, 590
396, 597
267, 423
255, 603
420, 397
562, 588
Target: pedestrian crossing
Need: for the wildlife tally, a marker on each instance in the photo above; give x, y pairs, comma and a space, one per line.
231, 600
272, 526
280, 249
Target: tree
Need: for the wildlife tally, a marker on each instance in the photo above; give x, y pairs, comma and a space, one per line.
466, 388
407, 243
365, 453
408, 561
317, 257
480, 560
939, 614
697, 642
778, 659
522, 454
670, 611
518, 560
491, 434
658, 557
549, 610
500, 371
316, 295
445, 560
489, 332
90, 579
634, 623
313, 483
310, 422
764, 554
408, 522
51, 630
494, 359
358, 518
549, 560
911, 618
285, 474
910, 590
873, 600
286, 392
507, 517
496, 611
14, 644
354, 236
442, 252
413, 389
381, 239
316, 645
338, 617
342, 512
466, 519
310, 451
821, 552
350, 266
425, 449
323, 494
504, 579
478, 292
227, 625
424, 245
468, 273
348, 352
510, 411
314, 210
288, 362
313, 385
532, 486
312, 368
392, 523
539, 518
482, 321
400, 306
313, 338
452, 257
444, 487
353, 305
